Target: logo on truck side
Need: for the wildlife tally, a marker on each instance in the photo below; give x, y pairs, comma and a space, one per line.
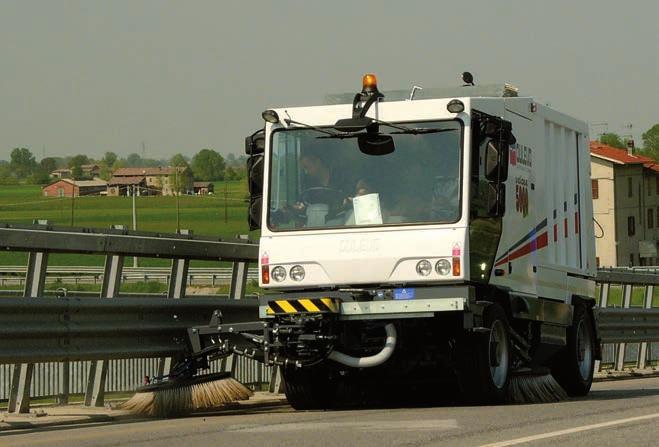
522, 155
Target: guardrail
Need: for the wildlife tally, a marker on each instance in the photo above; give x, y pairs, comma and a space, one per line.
15, 276
68, 328
102, 329
637, 324
51, 342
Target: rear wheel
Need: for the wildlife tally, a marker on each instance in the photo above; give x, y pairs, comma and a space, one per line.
484, 370
574, 366
308, 388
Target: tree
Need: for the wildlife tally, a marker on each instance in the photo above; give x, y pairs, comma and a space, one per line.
208, 165
230, 173
75, 164
612, 139
7, 176
109, 158
651, 142
134, 160
39, 177
22, 162
179, 160
48, 164
181, 181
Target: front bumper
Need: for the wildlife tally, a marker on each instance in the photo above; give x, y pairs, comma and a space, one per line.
370, 304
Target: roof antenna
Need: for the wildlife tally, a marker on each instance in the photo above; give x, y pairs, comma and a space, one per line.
468, 79
414, 89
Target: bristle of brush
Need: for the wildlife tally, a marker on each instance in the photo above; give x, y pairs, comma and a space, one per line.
530, 388
185, 398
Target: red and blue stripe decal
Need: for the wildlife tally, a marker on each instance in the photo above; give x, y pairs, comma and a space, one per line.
534, 240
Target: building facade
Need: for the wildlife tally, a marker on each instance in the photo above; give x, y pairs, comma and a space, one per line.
74, 188
159, 180
625, 206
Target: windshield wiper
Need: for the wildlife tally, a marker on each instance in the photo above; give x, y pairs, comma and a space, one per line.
342, 135
410, 130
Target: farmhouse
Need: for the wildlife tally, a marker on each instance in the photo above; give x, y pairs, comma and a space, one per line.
68, 188
158, 181
123, 186
61, 173
203, 188
91, 170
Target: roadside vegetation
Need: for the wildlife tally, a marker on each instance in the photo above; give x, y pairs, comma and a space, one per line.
204, 215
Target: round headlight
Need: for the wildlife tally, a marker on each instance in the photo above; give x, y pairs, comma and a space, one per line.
424, 268
443, 267
297, 273
278, 273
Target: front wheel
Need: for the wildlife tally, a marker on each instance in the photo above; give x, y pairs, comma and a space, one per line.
575, 364
308, 388
484, 369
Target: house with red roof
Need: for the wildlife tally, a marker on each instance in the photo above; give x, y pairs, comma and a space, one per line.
625, 206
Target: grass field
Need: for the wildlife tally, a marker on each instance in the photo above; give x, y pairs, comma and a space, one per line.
204, 215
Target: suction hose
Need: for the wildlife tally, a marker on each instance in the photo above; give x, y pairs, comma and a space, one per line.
373, 360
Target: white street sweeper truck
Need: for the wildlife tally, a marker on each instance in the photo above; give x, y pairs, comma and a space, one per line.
411, 241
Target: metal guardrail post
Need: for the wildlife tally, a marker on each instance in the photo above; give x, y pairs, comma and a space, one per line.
95, 391
276, 381
626, 302
176, 290
603, 302
238, 280
35, 278
643, 349
236, 292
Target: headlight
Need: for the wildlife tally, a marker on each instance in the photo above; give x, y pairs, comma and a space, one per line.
297, 273
443, 267
424, 268
278, 273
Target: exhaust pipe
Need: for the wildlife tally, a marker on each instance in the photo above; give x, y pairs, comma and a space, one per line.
373, 360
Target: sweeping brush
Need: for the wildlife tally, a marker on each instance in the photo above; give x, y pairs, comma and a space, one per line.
529, 386
181, 396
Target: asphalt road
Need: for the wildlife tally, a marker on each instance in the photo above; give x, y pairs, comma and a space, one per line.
616, 413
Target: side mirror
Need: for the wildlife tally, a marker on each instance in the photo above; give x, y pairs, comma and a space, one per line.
255, 165
254, 212
375, 144
496, 161
496, 199
255, 143
255, 174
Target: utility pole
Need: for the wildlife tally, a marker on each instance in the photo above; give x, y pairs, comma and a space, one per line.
178, 223
73, 195
226, 193
134, 222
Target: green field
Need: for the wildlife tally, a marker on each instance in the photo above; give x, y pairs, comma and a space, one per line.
204, 215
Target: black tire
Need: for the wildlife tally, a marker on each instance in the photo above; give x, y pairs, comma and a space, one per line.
485, 360
307, 388
573, 367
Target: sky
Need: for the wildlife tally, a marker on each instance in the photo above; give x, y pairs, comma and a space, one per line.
95, 76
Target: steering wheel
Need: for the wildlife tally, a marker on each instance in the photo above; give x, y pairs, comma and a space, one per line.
322, 194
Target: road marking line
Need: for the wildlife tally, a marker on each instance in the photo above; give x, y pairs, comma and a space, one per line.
568, 431
368, 426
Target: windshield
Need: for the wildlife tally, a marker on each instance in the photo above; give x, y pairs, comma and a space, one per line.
320, 182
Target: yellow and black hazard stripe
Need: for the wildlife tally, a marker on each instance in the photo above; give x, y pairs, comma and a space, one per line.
304, 305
